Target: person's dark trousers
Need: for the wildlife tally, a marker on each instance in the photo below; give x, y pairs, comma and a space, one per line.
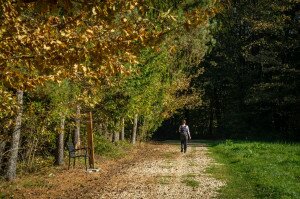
183, 140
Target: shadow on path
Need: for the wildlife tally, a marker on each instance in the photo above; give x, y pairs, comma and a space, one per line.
191, 143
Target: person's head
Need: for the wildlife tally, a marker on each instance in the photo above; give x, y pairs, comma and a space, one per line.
183, 122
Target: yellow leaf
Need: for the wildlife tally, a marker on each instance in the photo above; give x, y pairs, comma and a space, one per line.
20, 37
94, 11
90, 31
59, 42
127, 34
47, 47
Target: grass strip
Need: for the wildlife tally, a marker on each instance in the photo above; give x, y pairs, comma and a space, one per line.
257, 169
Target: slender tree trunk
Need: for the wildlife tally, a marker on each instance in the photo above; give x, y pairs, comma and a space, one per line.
12, 162
106, 133
77, 130
122, 136
143, 131
60, 143
116, 133
116, 136
211, 118
2, 151
134, 130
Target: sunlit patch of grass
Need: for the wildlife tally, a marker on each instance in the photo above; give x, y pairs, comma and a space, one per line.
164, 179
169, 155
106, 148
190, 182
2, 195
190, 175
257, 169
38, 183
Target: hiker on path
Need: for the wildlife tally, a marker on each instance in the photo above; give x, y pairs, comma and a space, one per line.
184, 135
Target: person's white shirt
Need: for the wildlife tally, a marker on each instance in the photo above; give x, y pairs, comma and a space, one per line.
188, 130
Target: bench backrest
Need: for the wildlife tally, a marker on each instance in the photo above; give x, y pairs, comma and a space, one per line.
71, 149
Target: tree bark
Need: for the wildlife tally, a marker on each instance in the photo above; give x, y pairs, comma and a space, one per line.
134, 130
122, 136
77, 130
2, 151
116, 133
211, 118
60, 143
116, 136
143, 131
12, 162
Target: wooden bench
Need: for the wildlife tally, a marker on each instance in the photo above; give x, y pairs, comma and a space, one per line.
77, 153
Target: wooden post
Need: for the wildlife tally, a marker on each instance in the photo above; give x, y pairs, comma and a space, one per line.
77, 130
91, 143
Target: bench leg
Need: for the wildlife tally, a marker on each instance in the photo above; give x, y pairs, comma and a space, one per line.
69, 163
85, 163
74, 163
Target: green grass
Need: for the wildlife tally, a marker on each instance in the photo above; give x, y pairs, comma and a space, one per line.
190, 182
164, 179
190, 175
38, 183
169, 155
106, 148
257, 169
2, 195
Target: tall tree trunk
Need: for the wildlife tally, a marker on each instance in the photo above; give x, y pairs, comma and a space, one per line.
211, 118
60, 143
2, 151
77, 130
122, 136
134, 130
116, 136
143, 131
106, 132
116, 133
12, 162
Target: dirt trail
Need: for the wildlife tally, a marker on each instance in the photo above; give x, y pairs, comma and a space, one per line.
149, 171
167, 174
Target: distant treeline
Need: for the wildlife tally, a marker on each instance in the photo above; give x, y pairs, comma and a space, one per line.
250, 85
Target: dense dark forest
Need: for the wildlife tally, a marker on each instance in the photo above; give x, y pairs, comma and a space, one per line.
250, 84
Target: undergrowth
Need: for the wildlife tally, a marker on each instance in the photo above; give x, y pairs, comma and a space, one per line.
106, 148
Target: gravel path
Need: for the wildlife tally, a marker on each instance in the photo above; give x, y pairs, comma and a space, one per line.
148, 171
171, 175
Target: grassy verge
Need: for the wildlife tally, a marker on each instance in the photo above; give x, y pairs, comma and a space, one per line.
106, 148
41, 174
257, 169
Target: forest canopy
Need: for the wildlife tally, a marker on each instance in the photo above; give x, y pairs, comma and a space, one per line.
130, 63
251, 81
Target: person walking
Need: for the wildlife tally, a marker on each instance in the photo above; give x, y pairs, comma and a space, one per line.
184, 135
